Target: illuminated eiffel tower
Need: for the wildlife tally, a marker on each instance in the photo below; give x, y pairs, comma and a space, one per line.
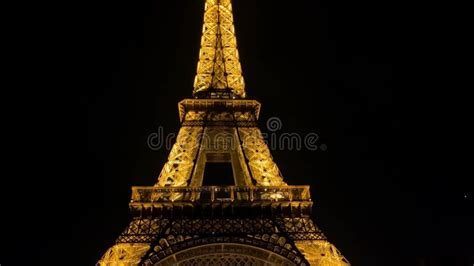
189, 218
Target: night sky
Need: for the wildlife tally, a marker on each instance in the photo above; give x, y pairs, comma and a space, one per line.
387, 191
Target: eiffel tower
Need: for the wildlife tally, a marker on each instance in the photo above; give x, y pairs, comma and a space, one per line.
189, 218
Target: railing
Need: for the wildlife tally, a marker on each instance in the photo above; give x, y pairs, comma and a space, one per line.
213, 194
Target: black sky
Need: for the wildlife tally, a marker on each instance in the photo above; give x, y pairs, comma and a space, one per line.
386, 191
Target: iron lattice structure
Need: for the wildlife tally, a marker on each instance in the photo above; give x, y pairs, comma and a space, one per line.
260, 220
219, 65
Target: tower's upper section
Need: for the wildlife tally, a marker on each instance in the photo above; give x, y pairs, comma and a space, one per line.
218, 70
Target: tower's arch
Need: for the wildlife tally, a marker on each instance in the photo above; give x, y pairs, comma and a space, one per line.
224, 254
224, 250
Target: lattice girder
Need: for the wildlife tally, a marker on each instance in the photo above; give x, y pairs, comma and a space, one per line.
177, 170
219, 64
146, 230
143, 230
264, 170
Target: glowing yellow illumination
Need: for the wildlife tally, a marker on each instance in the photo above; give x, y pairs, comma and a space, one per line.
219, 66
154, 235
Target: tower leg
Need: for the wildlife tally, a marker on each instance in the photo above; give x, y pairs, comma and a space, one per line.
134, 242
321, 253
124, 254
